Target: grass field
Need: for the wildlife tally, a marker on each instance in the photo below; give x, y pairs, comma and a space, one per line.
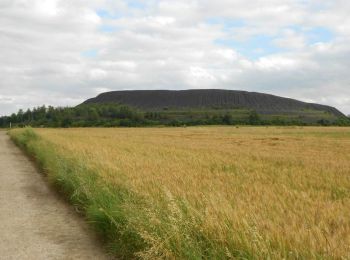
206, 192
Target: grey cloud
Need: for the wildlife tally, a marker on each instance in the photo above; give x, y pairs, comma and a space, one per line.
166, 45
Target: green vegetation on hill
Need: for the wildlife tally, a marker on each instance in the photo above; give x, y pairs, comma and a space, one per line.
112, 115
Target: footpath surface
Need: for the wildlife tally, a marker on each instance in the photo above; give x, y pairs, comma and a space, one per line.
35, 223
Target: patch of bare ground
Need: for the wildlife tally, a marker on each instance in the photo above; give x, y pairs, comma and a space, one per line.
34, 222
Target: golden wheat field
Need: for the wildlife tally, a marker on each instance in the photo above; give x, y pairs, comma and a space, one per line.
272, 192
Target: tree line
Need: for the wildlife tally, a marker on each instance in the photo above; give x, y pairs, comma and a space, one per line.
113, 115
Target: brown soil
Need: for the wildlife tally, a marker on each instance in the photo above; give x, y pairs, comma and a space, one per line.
34, 222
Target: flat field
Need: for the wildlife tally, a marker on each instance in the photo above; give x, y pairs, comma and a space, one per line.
206, 192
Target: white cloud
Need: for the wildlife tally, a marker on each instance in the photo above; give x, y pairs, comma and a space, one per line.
277, 63
46, 8
290, 40
168, 44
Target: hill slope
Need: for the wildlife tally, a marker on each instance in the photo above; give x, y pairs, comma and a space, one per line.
209, 98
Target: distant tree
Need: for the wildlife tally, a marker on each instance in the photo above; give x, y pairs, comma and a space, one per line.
4, 121
176, 122
13, 118
279, 121
28, 117
254, 118
20, 116
343, 121
324, 122
125, 112
93, 114
227, 119
66, 122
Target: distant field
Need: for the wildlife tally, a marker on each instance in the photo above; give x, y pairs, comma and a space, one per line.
206, 192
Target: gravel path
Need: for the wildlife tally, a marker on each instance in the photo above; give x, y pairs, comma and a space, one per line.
34, 222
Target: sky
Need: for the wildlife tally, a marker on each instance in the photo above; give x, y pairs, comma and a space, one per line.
61, 52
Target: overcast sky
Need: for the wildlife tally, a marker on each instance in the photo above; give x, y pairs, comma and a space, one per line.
60, 52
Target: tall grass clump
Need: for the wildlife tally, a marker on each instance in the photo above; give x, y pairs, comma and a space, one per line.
205, 193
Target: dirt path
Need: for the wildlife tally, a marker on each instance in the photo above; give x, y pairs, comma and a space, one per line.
34, 222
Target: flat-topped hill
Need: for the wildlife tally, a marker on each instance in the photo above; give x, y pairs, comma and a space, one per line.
209, 98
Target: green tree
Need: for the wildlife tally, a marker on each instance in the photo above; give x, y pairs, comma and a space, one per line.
254, 118
227, 119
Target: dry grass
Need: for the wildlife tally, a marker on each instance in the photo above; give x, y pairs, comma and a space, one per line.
246, 192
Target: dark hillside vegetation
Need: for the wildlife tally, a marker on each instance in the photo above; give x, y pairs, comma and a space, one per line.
154, 100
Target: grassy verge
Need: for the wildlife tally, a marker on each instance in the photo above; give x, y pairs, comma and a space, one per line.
111, 210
